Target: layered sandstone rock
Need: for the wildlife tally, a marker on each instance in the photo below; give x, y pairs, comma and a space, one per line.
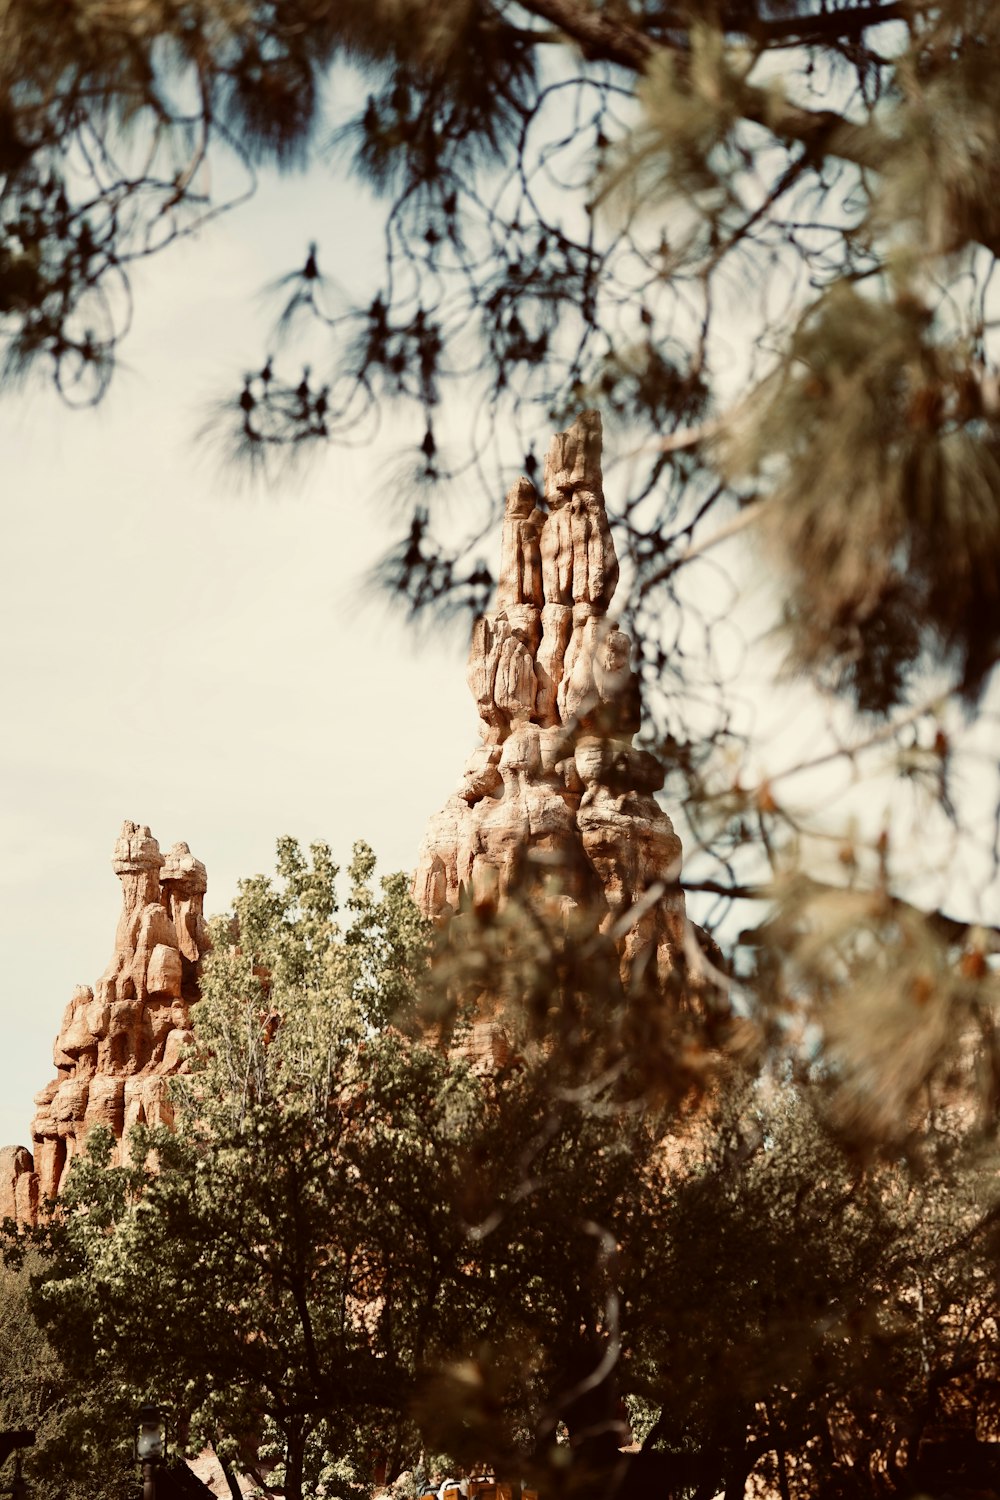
557, 780
118, 1044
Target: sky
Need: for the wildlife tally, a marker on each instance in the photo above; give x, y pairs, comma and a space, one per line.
183, 653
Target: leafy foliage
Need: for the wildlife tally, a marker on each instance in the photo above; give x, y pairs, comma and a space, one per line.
82, 1432
395, 1264
343, 1210
855, 1329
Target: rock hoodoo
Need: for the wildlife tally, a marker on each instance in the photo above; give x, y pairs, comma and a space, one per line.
118, 1044
557, 777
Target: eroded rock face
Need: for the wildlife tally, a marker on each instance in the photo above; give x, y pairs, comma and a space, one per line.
118, 1043
557, 777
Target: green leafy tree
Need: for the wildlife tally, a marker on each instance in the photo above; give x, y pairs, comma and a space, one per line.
278, 1221
346, 1216
82, 1428
820, 1323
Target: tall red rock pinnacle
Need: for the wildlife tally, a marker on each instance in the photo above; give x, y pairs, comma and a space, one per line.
117, 1045
557, 777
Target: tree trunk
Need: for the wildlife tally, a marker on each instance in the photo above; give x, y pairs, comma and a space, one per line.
739, 1461
736, 1483
229, 1476
777, 1438
295, 1447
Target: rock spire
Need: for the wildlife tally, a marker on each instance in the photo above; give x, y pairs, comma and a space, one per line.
118, 1044
557, 777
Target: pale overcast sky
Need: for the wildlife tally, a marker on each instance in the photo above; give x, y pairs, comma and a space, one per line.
188, 656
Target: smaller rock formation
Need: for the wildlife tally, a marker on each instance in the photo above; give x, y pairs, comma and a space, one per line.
18, 1185
118, 1044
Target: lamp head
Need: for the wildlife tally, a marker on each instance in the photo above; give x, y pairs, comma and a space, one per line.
150, 1434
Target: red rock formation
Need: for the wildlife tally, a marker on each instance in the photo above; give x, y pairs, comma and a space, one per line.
557, 777
117, 1046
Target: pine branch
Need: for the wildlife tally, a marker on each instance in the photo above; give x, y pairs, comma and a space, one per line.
838, 25
950, 930
602, 38
607, 38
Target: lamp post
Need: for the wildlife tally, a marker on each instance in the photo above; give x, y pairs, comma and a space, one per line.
150, 1445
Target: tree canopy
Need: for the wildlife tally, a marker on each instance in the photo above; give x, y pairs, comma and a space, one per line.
79, 1424
341, 1214
361, 1262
